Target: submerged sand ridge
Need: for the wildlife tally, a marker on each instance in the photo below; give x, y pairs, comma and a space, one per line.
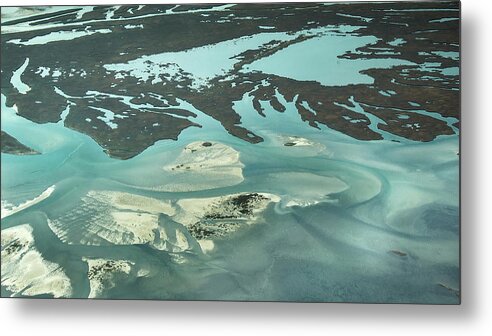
297, 141
105, 218
108, 217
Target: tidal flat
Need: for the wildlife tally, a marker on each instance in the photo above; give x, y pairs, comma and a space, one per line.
302, 152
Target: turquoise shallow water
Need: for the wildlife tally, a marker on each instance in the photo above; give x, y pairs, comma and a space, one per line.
401, 196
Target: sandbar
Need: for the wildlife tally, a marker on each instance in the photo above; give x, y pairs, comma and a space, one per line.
24, 270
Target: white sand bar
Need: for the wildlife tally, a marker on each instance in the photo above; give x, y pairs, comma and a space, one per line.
192, 210
25, 271
205, 165
107, 217
210, 218
127, 201
8, 209
296, 141
101, 274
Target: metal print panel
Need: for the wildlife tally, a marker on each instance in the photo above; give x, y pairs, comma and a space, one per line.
302, 152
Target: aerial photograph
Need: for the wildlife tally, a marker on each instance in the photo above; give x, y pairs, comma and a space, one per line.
294, 152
